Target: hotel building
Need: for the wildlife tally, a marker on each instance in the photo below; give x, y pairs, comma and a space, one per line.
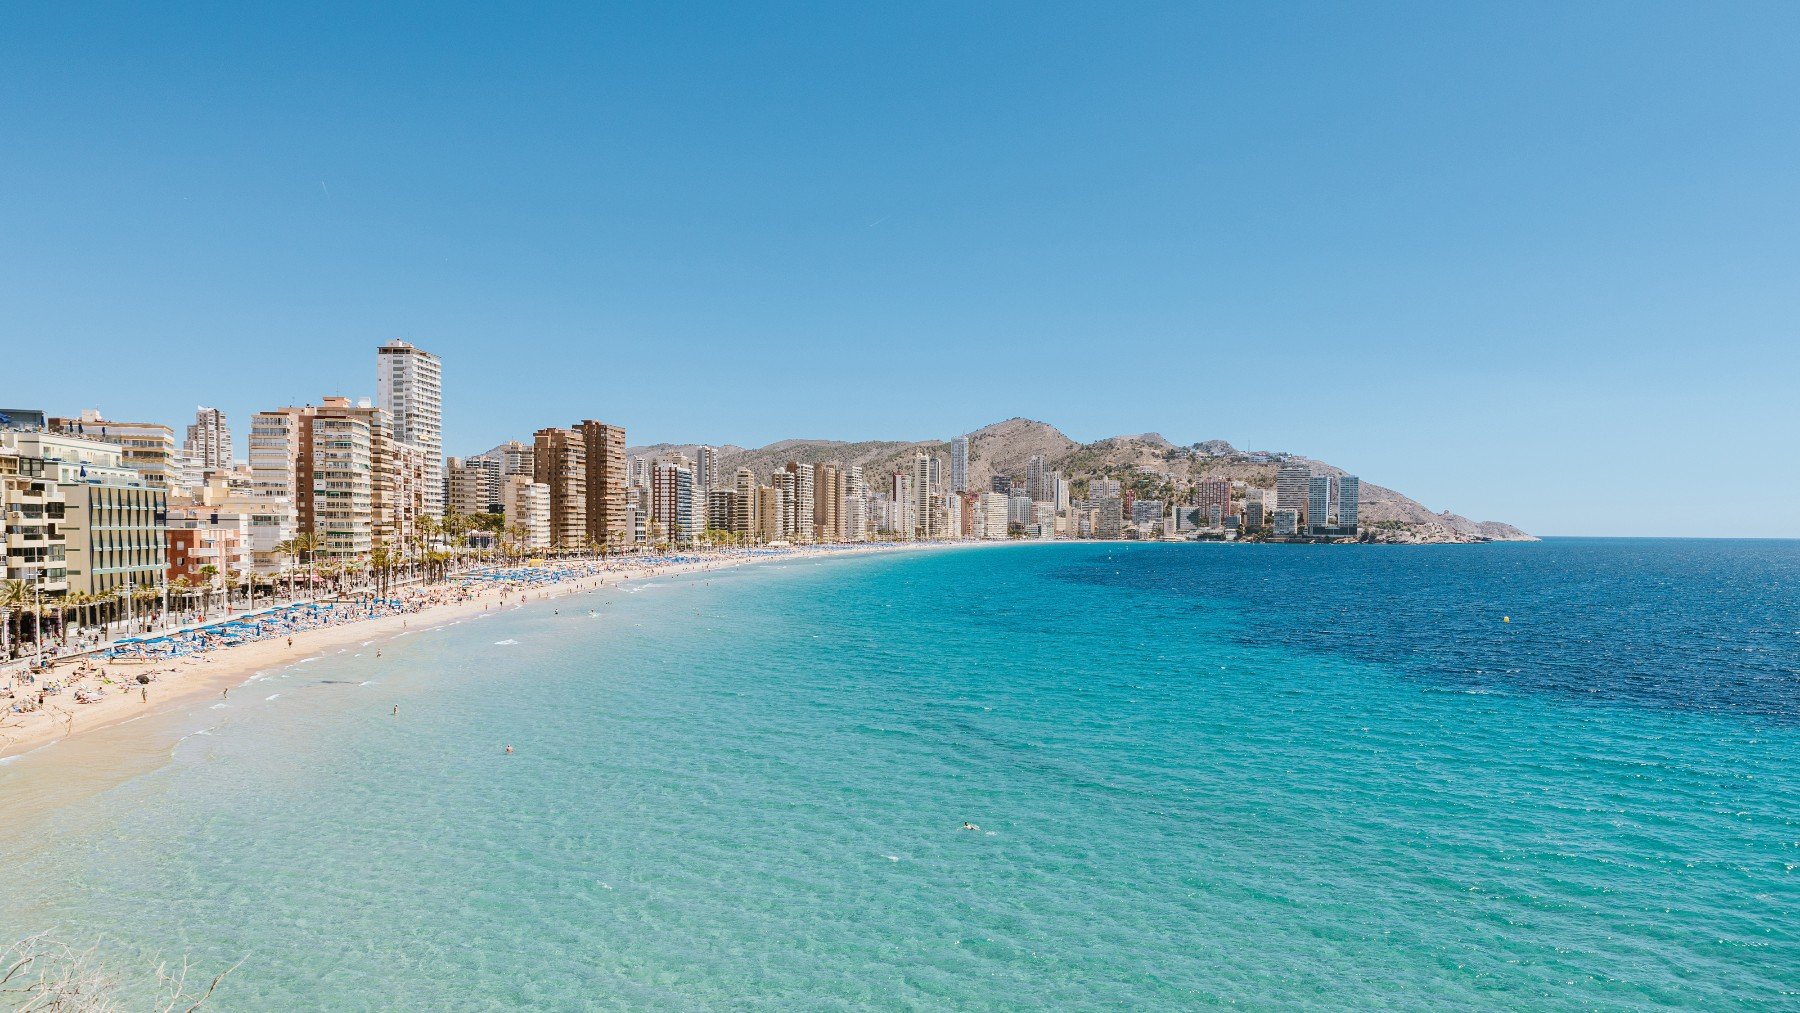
605, 448
409, 385
559, 459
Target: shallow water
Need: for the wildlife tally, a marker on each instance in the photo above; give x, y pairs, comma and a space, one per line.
1275, 776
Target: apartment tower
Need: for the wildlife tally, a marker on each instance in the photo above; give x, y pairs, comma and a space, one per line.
605, 445
409, 385
559, 461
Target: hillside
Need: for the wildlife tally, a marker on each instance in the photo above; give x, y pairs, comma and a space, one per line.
1146, 462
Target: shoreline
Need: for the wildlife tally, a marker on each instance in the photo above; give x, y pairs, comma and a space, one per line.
184, 681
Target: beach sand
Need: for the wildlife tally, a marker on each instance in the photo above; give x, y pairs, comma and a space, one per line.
183, 682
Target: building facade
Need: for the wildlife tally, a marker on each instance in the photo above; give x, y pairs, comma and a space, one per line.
559, 460
606, 482
409, 385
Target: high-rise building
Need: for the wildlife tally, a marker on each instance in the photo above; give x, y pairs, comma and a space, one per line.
1035, 475
1213, 492
900, 513
1286, 523
959, 464
274, 465
1253, 515
828, 503
606, 483
1292, 487
513, 457
706, 468
1318, 502
1002, 484
409, 385
921, 479
208, 441
743, 507
721, 507
856, 505
337, 482
993, 515
803, 501
1109, 517
352, 485
769, 513
1146, 511
672, 502
559, 461
526, 507
473, 485
1349, 502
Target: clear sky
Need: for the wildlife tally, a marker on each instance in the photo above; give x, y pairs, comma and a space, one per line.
1536, 263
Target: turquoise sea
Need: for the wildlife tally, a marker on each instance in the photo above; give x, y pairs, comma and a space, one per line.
1275, 777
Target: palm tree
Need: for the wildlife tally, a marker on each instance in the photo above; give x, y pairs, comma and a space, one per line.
308, 543
210, 573
286, 547
234, 579
13, 597
179, 589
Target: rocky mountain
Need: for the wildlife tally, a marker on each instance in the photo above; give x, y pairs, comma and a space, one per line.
1147, 463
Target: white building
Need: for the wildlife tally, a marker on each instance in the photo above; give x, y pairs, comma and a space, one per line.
526, 505
921, 479
274, 460
208, 442
991, 521
409, 383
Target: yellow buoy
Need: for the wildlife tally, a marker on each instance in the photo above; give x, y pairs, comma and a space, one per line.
1506, 619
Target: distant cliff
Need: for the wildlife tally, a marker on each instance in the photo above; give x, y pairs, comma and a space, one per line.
1146, 462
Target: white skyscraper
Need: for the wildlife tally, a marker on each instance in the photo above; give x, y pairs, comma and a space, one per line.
959, 464
209, 440
409, 383
922, 496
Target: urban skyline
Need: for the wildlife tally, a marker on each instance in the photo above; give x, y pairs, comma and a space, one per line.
94, 506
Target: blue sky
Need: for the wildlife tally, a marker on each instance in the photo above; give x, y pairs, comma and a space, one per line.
1538, 263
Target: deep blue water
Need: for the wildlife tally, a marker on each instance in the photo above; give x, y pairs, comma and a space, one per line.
1709, 625
1275, 777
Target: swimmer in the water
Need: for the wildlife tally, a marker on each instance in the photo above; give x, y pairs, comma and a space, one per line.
970, 826
509, 749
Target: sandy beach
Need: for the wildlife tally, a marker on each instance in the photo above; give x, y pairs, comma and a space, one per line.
213, 673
